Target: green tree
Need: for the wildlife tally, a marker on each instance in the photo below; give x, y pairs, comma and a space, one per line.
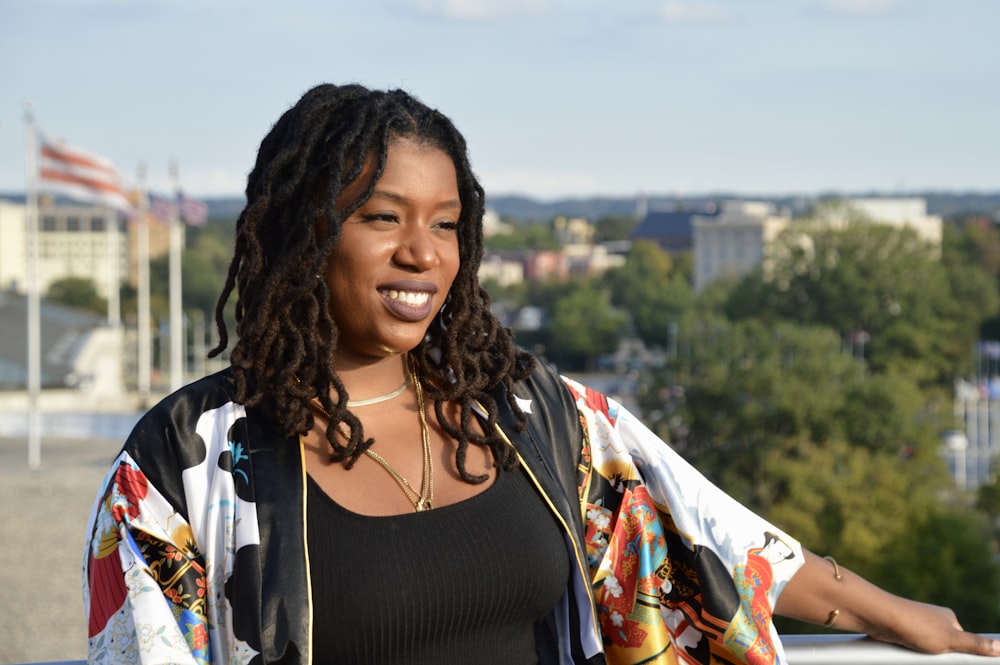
651, 291
533, 236
610, 228
758, 396
77, 292
949, 543
584, 326
846, 460
916, 314
204, 265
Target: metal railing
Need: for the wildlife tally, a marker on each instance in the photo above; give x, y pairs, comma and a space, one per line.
838, 649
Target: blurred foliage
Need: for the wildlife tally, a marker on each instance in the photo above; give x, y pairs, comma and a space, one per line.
524, 236
79, 292
612, 228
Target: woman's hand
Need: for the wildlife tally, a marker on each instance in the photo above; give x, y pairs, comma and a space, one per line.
931, 629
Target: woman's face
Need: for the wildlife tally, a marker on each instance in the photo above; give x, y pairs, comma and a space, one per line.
397, 256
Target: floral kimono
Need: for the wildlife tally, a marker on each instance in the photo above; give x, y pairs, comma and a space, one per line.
197, 541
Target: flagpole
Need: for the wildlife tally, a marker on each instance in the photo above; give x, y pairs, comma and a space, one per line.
34, 301
145, 341
111, 241
176, 310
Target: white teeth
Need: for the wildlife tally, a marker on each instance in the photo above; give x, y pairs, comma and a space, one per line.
411, 298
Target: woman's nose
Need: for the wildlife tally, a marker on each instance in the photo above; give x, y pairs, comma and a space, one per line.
417, 248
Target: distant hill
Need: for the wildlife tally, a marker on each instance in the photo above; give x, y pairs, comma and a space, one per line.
527, 209
524, 209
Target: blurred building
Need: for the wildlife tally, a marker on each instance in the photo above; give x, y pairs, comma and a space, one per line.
672, 230
589, 260
739, 238
898, 212
573, 231
90, 242
73, 241
502, 269
734, 241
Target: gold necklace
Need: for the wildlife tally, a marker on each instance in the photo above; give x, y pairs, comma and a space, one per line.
423, 499
382, 398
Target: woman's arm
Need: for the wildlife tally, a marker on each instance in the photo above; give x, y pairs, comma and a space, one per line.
849, 602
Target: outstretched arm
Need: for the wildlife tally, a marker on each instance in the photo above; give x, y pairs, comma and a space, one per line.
815, 594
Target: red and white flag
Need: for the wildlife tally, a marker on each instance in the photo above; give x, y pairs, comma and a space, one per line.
78, 174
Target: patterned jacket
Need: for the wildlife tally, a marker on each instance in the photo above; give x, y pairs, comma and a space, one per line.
197, 551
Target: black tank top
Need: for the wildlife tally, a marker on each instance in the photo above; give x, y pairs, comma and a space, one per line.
463, 583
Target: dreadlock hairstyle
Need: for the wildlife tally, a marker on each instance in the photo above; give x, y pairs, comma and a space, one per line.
283, 356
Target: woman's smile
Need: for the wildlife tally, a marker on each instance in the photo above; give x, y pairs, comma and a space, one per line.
410, 302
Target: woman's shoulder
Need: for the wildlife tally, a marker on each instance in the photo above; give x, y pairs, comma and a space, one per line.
191, 400
178, 426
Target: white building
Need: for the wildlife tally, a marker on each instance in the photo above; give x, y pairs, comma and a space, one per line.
73, 241
735, 241
739, 238
13, 247
899, 213
505, 271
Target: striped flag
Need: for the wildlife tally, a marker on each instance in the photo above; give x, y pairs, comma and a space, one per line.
192, 211
78, 174
162, 208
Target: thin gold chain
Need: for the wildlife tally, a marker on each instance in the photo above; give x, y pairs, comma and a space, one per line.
423, 499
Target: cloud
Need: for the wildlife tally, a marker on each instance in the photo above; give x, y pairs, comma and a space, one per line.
680, 12
478, 10
859, 8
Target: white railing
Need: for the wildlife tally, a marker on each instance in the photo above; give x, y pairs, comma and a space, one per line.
840, 649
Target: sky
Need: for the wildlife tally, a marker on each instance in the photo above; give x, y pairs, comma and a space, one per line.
556, 98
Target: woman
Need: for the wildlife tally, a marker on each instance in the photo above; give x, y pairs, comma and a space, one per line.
382, 476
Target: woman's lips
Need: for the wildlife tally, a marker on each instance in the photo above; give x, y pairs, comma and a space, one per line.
409, 301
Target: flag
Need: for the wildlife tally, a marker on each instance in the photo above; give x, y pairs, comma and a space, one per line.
193, 212
78, 174
162, 208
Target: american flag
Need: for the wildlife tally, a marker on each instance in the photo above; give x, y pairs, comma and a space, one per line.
162, 208
193, 212
78, 174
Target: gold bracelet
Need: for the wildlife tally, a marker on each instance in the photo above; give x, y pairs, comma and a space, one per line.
836, 570
837, 576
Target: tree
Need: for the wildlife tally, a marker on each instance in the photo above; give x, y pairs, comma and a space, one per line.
610, 228
77, 292
950, 543
768, 407
584, 326
882, 286
203, 270
532, 236
780, 417
649, 289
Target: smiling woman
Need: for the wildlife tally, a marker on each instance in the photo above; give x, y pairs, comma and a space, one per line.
383, 476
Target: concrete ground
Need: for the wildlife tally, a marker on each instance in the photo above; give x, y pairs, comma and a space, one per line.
43, 515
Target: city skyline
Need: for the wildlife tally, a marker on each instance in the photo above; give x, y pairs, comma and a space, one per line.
557, 98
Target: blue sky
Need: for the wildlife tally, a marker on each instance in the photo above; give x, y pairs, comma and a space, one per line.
556, 97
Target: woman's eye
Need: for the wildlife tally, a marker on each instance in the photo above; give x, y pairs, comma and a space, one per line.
447, 225
381, 217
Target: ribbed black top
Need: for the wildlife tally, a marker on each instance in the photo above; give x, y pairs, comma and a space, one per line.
458, 584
